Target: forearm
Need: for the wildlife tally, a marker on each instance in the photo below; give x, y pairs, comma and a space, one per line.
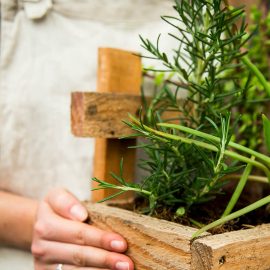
17, 218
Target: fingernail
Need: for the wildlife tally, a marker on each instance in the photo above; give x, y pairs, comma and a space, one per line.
78, 212
122, 266
116, 244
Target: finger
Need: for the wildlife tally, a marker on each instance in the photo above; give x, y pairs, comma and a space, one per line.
72, 267
66, 205
82, 256
41, 266
58, 229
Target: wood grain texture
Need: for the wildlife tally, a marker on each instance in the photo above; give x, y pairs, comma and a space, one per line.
238, 250
158, 244
153, 244
108, 154
100, 115
119, 71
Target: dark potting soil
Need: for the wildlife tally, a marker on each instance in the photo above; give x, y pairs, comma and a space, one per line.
212, 210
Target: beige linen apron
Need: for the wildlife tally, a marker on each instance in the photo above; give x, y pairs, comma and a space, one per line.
48, 49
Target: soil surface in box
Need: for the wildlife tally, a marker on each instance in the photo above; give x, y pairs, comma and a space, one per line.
212, 210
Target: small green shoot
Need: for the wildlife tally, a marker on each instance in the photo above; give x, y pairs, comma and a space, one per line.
234, 215
266, 129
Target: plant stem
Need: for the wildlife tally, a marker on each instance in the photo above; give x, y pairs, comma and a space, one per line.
234, 215
196, 223
257, 73
256, 178
237, 146
238, 190
126, 188
206, 146
105, 185
180, 84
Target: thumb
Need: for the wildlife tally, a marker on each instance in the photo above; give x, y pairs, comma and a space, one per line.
66, 204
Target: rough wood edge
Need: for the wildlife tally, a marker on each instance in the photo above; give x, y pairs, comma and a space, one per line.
153, 244
159, 244
77, 113
101, 115
238, 250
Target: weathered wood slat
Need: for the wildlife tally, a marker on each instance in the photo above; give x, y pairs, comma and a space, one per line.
100, 115
108, 154
118, 72
158, 244
238, 250
153, 244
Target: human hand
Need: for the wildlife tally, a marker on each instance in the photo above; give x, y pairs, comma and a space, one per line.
61, 237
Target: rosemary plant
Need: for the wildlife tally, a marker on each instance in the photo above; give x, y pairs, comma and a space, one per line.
189, 143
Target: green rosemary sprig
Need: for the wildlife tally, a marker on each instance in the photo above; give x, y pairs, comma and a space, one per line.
190, 143
149, 132
209, 46
265, 159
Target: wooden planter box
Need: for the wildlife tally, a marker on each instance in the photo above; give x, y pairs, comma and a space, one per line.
155, 244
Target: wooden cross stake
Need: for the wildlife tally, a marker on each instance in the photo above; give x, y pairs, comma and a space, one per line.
99, 114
